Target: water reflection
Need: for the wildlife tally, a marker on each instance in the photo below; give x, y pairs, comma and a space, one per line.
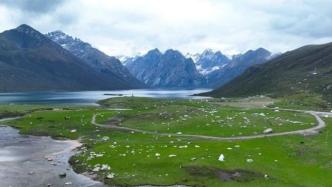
90, 97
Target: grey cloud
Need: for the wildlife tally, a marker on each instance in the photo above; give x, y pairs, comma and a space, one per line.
310, 25
136, 25
198, 37
66, 19
33, 6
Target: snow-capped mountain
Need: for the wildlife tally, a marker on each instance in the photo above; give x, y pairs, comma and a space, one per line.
93, 57
237, 65
165, 70
194, 57
123, 58
208, 69
306, 70
210, 61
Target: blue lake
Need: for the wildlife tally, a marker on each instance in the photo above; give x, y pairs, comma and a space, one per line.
90, 97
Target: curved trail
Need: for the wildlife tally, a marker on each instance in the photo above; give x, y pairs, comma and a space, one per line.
313, 130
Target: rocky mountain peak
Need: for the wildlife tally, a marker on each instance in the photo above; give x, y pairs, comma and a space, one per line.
154, 52
210, 61
30, 61
208, 52
173, 53
96, 59
25, 36
259, 53
24, 28
68, 42
168, 70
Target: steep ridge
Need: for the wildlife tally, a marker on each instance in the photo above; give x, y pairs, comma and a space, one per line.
304, 70
29, 61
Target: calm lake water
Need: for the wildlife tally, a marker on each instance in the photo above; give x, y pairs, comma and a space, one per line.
90, 97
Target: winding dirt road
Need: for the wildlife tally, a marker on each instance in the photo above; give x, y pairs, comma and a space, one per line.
310, 131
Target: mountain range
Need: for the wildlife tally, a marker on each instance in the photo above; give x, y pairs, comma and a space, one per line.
30, 61
236, 66
96, 59
209, 69
210, 61
165, 70
304, 70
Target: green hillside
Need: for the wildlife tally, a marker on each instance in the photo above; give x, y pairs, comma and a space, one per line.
303, 72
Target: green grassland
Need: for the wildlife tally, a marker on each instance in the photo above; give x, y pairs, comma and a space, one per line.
304, 101
16, 110
139, 158
203, 118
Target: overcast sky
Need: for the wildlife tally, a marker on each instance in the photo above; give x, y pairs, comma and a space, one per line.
129, 27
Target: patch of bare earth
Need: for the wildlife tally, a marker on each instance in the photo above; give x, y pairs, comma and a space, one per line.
238, 175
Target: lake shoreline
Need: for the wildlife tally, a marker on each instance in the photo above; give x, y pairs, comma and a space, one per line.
38, 160
90, 98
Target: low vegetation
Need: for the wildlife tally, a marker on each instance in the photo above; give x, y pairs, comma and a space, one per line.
130, 158
302, 78
304, 101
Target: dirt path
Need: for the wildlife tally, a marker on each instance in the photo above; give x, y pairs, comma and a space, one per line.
313, 130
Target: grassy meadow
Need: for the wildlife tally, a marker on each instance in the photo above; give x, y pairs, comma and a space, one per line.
128, 158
